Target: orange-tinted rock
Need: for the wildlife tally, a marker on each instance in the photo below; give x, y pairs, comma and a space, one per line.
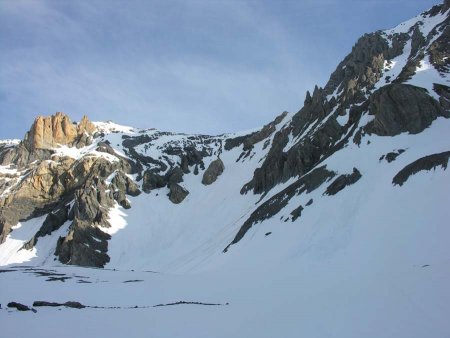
52, 131
85, 126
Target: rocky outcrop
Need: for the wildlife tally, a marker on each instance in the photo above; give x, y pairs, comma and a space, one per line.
86, 126
152, 181
52, 186
279, 165
422, 164
392, 156
343, 181
272, 206
86, 244
45, 134
362, 67
53, 221
248, 141
18, 306
69, 304
21, 156
402, 108
444, 97
49, 132
215, 169
175, 175
177, 193
52, 131
122, 185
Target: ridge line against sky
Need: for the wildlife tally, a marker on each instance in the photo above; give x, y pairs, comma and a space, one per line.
191, 66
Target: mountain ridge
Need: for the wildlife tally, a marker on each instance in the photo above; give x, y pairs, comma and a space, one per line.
392, 82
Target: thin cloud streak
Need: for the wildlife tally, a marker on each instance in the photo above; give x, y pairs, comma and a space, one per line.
197, 66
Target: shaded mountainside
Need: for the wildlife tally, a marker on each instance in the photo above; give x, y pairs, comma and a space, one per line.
96, 194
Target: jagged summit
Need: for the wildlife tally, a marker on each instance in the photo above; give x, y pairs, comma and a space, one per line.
52, 131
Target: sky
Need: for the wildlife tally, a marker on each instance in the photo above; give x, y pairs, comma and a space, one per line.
197, 66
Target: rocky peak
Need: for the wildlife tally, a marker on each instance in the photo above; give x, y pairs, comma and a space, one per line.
86, 126
51, 131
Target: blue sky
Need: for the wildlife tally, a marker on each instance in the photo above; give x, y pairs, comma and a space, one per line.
192, 66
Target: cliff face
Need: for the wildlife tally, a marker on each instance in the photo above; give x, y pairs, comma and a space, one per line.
52, 131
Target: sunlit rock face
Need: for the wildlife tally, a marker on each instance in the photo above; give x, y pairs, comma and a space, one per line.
52, 131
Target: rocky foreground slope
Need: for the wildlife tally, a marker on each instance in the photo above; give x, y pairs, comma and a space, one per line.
97, 194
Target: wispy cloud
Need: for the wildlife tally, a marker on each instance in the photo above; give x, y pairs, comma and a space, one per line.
198, 66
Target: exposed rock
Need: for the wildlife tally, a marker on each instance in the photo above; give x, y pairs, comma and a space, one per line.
402, 108
392, 156
44, 303
52, 131
251, 139
264, 133
49, 132
152, 181
174, 175
18, 306
343, 181
177, 193
123, 183
296, 213
362, 67
84, 245
424, 163
70, 304
215, 169
439, 50
279, 166
444, 97
86, 126
53, 221
272, 206
126, 165
21, 156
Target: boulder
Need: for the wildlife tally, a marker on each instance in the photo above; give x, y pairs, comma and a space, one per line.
152, 181
177, 193
215, 169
